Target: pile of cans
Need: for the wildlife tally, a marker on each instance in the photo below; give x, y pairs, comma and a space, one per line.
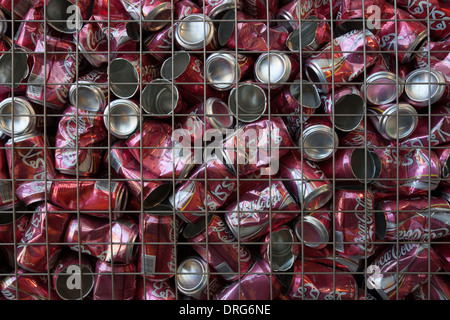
225, 149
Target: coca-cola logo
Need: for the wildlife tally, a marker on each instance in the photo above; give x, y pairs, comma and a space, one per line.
95, 38
34, 159
390, 256
161, 290
436, 17
389, 41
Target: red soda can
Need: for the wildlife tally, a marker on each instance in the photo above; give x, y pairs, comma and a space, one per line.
91, 91
279, 248
57, 71
154, 290
257, 284
57, 13
8, 198
313, 281
347, 48
431, 130
439, 289
216, 9
354, 226
114, 281
329, 257
351, 15
352, 166
83, 130
20, 9
130, 71
125, 166
311, 36
305, 181
193, 198
438, 52
260, 9
422, 171
402, 268
93, 42
75, 288
16, 77
24, 286
250, 218
345, 108
435, 11
249, 35
154, 15
287, 15
33, 164
224, 69
95, 235
8, 237
159, 45
443, 154
413, 219
274, 70
194, 280
47, 225
296, 102
403, 38
256, 146
314, 229
185, 8
158, 231
162, 98
223, 253
248, 102
30, 30
157, 150
196, 32
317, 138
93, 194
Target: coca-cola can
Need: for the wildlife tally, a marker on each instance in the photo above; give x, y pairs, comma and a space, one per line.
443, 154
161, 98
354, 225
64, 284
21, 285
329, 257
19, 10
305, 181
310, 36
114, 281
224, 69
426, 86
273, 70
97, 237
345, 107
382, 86
287, 16
352, 166
7, 197
158, 147
185, 8
153, 15
260, 9
296, 102
121, 117
159, 45
334, 62
76, 133
257, 284
90, 92
314, 228
194, 280
216, 9
248, 102
260, 209
158, 230
9, 221
402, 268
125, 166
128, 72
15, 66
47, 225
313, 281
54, 72
154, 289
237, 31
195, 32
26, 117
279, 248
403, 38
317, 139
395, 120
59, 17
194, 197
222, 251
352, 13
30, 163
413, 219
439, 289
96, 197
30, 29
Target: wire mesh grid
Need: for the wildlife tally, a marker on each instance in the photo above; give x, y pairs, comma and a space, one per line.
129, 245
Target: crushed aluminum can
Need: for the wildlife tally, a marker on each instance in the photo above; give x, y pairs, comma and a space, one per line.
314, 228
248, 102
154, 290
114, 281
279, 248
121, 117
